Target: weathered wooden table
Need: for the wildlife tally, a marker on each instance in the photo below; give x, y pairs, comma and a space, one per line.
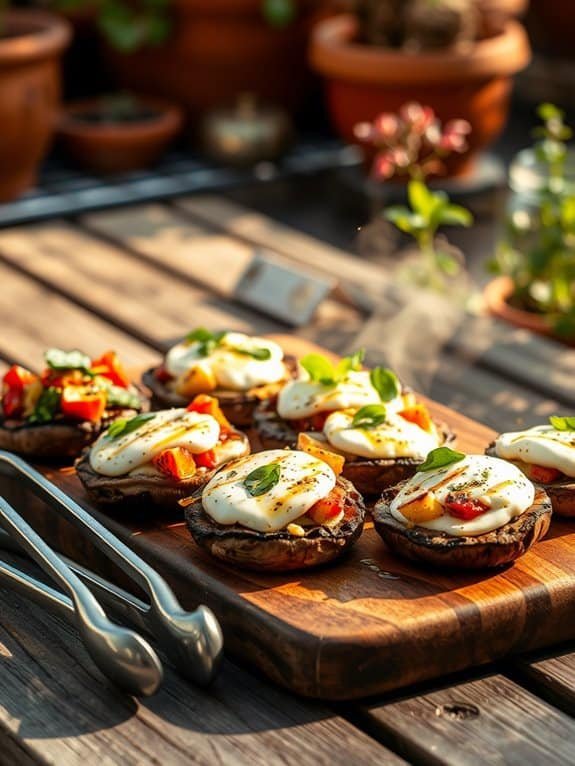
134, 280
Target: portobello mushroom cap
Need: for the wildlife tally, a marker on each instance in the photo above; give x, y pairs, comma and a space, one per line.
60, 438
237, 406
160, 491
561, 492
278, 551
370, 476
491, 549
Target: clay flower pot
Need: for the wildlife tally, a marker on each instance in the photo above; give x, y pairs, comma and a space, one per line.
473, 84
108, 146
496, 296
29, 94
219, 49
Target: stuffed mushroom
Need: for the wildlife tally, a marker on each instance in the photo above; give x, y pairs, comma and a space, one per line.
366, 418
546, 455
160, 457
277, 510
463, 512
57, 413
239, 370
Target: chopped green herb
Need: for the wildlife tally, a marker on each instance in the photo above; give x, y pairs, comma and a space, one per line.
68, 360
440, 458
124, 426
46, 407
261, 354
207, 341
261, 480
122, 397
565, 423
370, 416
386, 383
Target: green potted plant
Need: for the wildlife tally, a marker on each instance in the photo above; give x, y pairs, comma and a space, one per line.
203, 53
31, 43
413, 145
118, 133
451, 54
535, 260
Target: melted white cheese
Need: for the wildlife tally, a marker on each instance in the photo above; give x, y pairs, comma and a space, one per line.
542, 445
497, 483
302, 398
303, 481
396, 437
168, 428
232, 370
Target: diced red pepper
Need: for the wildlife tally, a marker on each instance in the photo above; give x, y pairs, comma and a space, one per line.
176, 462
209, 405
110, 367
541, 474
463, 507
329, 507
83, 403
206, 459
15, 382
162, 374
62, 378
313, 423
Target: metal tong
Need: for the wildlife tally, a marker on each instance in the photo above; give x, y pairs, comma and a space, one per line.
192, 640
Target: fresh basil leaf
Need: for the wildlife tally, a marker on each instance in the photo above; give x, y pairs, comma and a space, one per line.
440, 458
562, 423
261, 354
386, 383
124, 426
349, 364
199, 335
46, 407
370, 416
319, 369
123, 397
261, 480
67, 360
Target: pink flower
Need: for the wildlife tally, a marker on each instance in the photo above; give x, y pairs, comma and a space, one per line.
453, 142
363, 131
417, 117
383, 167
462, 127
386, 126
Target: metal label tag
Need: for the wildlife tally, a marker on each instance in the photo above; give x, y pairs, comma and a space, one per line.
275, 287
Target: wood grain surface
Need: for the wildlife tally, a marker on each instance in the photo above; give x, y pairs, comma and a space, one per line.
373, 622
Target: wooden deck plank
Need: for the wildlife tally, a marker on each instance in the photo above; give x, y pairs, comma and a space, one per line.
551, 676
60, 711
488, 720
115, 285
33, 318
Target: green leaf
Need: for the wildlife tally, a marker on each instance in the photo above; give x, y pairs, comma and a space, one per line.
549, 111
261, 354
422, 201
199, 335
455, 215
386, 383
349, 364
46, 407
319, 369
448, 263
404, 219
370, 416
565, 423
67, 360
440, 458
207, 341
261, 480
124, 426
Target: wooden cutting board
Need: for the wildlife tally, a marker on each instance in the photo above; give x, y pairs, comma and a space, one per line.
369, 624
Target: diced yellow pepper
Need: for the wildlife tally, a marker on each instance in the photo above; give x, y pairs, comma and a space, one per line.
424, 508
321, 451
197, 380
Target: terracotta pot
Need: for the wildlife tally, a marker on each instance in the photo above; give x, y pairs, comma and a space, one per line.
29, 95
220, 48
118, 147
496, 296
362, 81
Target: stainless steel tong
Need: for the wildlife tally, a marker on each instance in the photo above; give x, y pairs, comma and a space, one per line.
192, 640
